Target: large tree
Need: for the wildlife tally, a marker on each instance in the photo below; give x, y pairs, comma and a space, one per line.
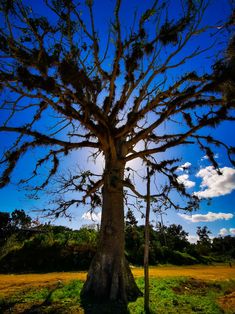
64, 89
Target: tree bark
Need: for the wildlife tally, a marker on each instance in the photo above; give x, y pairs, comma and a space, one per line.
109, 277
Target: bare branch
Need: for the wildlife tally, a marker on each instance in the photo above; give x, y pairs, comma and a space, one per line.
44, 139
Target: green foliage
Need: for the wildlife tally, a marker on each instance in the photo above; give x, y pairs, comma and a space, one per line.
4, 220
182, 258
4, 226
204, 242
12, 223
12, 243
52, 248
57, 248
167, 245
224, 247
19, 219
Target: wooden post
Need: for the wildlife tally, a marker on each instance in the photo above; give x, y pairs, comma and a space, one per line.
146, 247
162, 229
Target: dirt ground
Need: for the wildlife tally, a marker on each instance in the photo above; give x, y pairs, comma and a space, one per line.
12, 283
227, 302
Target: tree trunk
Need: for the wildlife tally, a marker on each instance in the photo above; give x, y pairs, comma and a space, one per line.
109, 277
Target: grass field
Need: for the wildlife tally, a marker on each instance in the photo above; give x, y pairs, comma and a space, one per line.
194, 289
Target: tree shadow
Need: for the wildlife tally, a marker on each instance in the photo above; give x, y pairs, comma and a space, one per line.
7, 306
91, 307
38, 308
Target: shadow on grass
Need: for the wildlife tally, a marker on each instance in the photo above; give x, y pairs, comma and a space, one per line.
91, 307
36, 307
47, 306
39, 308
6, 306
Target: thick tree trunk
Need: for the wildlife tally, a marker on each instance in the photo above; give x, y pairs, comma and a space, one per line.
109, 277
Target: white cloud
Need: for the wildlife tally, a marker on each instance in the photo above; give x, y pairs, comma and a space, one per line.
216, 156
232, 230
184, 179
92, 216
192, 238
210, 216
184, 166
223, 232
214, 185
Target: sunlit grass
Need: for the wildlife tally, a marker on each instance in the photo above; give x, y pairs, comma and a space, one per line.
67, 293
167, 295
182, 295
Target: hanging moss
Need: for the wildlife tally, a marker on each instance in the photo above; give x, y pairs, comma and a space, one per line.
68, 71
71, 74
7, 6
142, 33
148, 48
25, 77
11, 158
22, 56
137, 51
169, 32
188, 119
4, 44
38, 24
31, 81
192, 76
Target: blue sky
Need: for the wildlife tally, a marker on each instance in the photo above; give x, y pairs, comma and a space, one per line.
219, 215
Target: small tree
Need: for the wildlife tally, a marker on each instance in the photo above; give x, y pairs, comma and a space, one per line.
204, 242
130, 219
176, 237
63, 90
5, 224
20, 220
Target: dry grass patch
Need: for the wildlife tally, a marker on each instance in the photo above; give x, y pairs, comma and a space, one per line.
196, 272
12, 283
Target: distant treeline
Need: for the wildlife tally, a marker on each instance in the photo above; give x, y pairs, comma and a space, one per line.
28, 246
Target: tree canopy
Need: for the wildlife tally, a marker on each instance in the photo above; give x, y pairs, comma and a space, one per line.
57, 66
64, 89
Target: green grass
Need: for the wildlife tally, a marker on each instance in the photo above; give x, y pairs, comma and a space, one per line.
69, 293
182, 295
52, 299
170, 295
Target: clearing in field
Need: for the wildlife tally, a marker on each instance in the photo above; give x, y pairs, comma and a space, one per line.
204, 289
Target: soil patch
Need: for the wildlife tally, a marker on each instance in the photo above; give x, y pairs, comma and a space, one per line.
193, 286
227, 302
